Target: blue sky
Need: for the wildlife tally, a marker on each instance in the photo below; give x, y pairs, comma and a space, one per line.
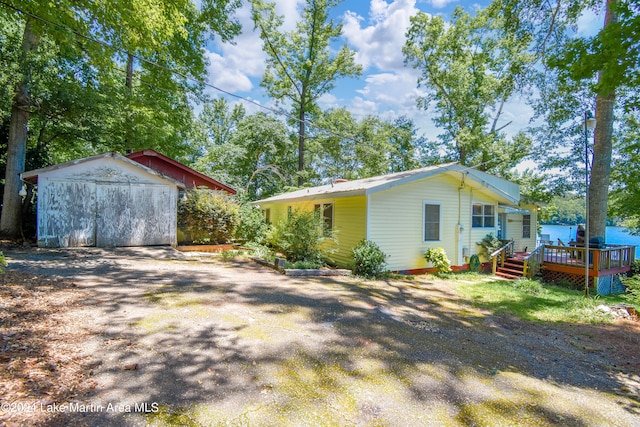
375, 30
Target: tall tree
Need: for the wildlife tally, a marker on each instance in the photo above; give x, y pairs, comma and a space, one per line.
96, 34
351, 149
625, 194
607, 64
300, 64
214, 129
468, 74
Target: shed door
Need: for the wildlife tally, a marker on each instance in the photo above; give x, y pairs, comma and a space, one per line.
135, 215
67, 214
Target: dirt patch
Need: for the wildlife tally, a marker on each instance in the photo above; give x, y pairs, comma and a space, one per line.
207, 342
39, 362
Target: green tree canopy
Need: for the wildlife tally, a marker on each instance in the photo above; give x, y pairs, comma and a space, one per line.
301, 65
100, 74
468, 73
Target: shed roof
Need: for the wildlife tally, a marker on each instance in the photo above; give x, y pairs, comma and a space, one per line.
505, 191
168, 166
32, 176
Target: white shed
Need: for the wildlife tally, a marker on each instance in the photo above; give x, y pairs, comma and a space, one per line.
105, 200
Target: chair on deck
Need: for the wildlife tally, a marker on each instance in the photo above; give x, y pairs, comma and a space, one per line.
545, 239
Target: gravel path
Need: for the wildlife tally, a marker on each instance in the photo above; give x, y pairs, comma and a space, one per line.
198, 341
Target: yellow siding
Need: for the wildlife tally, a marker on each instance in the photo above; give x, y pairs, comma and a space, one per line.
349, 222
514, 230
396, 221
478, 233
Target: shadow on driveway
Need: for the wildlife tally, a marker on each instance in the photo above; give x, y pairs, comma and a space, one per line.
204, 342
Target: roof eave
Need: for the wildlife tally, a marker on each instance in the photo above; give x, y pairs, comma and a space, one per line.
32, 176
154, 153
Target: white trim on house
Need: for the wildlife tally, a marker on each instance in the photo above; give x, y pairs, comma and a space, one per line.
367, 225
424, 204
32, 175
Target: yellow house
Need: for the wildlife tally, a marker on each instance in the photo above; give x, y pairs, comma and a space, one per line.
449, 206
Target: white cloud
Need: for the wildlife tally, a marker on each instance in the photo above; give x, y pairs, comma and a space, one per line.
232, 66
590, 22
239, 66
439, 4
380, 44
290, 9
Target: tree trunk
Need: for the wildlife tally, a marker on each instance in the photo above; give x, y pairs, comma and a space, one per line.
129, 78
602, 147
301, 131
10, 222
128, 126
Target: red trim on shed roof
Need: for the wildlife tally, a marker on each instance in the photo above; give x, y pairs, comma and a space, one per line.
166, 165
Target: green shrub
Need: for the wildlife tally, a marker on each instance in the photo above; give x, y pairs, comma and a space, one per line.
632, 285
488, 245
635, 268
252, 226
303, 265
368, 259
528, 286
228, 255
261, 251
299, 237
438, 257
205, 214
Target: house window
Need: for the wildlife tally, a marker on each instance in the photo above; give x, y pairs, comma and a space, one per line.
431, 222
325, 211
267, 215
483, 216
289, 212
526, 226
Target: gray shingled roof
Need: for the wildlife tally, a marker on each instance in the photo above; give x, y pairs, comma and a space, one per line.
506, 189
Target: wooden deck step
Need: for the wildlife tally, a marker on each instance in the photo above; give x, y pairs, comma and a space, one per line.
513, 269
507, 275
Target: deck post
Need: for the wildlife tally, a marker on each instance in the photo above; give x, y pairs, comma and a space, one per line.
495, 264
596, 260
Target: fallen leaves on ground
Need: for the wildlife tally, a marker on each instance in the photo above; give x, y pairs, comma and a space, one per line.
40, 365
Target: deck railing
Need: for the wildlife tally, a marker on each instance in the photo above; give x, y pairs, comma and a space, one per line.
533, 261
613, 257
501, 255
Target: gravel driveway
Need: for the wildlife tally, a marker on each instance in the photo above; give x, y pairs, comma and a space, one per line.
199, 341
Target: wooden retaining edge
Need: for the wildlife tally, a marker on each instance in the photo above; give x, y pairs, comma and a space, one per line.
302, 272
205, 248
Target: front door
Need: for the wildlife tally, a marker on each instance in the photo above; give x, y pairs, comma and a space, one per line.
502, 226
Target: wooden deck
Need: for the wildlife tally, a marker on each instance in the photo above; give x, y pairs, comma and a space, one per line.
614, 259
563, 262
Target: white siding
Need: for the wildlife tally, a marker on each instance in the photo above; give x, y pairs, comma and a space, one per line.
105, 202
514, 230
396, 221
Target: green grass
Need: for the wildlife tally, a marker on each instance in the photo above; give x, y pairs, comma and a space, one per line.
536, 301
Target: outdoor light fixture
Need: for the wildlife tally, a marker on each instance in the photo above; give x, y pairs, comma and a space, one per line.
589, 124
23, 192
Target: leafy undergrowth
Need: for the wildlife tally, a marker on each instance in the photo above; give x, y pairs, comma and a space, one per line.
40, 366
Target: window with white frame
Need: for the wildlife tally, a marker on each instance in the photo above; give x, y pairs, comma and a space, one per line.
431, 221
325, 211
526, 226
267, 215
483, 216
